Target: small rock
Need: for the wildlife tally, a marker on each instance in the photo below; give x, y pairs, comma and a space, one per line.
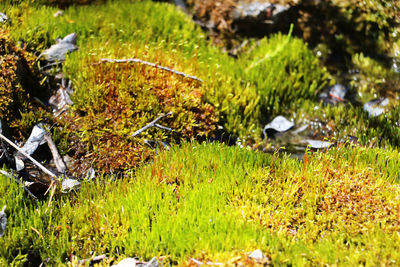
56, 53
279, 124
91, 174
128, 262
3, 221
257, 255
376, 107
60, 100
182, 5
338, 92
70, 39
335, 94
68, 184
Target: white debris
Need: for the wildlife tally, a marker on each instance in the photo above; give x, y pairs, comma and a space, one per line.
279, 124
3, 221
3, 18
56, 53
128, 262
317, 144
257, 255
376, 107
59, 13
34, 141
69, 184
153, 263
197, 262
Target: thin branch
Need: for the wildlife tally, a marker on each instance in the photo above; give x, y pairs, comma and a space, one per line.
61, 167
162, 127
28, 156
153, 124
137, 60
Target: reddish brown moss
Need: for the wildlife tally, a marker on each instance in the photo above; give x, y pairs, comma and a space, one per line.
123, 98
18, 87
323, 197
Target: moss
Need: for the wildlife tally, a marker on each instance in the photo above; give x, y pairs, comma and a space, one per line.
18, 87
264, 82
112, 101
217, 203
374, 79
277, 75
239, 95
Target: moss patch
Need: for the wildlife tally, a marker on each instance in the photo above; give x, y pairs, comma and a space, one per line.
218, 203
19, 85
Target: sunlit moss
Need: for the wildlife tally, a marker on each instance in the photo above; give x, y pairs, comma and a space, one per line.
217, 203
18, 86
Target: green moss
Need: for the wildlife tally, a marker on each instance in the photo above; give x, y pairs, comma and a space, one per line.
374, 79
213, 202
239, 95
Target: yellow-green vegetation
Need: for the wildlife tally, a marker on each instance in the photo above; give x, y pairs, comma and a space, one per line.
206, 201
112, 101
214, 202
18, 86
374, 78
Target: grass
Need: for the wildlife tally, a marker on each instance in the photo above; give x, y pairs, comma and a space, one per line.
218, 203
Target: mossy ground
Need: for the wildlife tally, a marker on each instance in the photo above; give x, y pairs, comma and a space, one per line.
218, 203
207, 201
19, 85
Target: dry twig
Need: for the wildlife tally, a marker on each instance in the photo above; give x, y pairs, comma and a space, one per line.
61, 167
154, 124
137, 60
28, 156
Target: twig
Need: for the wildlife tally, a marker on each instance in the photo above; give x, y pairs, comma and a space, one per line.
37, 232
28, 156
153, 124
137, 60
61, 167
162, 127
